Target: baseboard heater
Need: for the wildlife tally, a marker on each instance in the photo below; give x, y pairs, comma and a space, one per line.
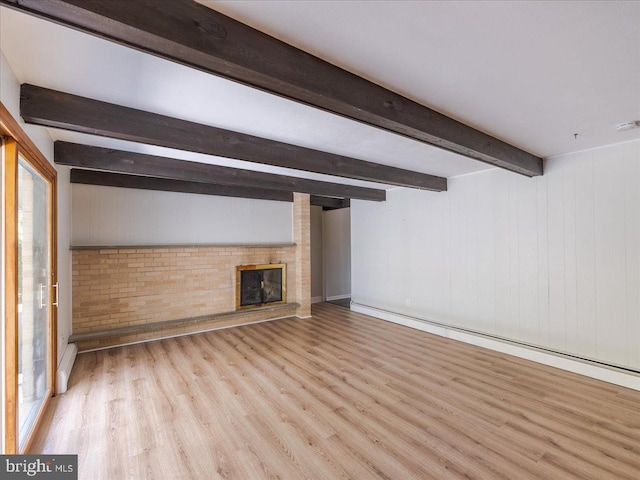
64, 369
505, 340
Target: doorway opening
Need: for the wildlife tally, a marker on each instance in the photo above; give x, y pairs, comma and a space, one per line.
331, 255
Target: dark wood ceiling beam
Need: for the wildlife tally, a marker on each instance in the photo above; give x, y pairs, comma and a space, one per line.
42, 106
94, 177
191, 34
329, 203
119, 161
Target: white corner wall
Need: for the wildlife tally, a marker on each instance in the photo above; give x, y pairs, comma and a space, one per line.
336, 253
119, 216
552, 261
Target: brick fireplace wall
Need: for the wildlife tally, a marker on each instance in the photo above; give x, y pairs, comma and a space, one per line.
123, 287
130, 286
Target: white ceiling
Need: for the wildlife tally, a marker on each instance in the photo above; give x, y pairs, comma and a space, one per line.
530, 73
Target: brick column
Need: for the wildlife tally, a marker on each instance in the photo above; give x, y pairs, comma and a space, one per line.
302, 239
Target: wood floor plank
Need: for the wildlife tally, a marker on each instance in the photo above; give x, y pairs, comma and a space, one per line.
495, 390
404, 418
337, 396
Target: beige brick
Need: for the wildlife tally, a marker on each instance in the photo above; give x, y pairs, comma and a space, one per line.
134, 286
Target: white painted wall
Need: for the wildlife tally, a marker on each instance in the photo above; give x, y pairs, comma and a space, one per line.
10, 97
552, 261
316, 254
119, 216
64, 259
336, 245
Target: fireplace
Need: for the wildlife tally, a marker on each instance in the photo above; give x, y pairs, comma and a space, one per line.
258, 285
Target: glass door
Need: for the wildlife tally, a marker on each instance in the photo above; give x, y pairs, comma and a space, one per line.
30, 283
34, 287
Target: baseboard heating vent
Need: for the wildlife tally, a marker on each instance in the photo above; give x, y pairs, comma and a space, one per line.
64, 369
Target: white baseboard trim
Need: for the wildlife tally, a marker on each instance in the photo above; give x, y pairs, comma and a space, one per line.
338, 297
558, 360
316, 299
64, 369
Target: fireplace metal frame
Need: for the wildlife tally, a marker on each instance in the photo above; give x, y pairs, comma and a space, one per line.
265, 266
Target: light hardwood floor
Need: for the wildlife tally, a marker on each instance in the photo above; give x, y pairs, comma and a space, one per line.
341, 395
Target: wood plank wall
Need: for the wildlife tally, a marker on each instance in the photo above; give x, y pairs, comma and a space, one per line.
552, 261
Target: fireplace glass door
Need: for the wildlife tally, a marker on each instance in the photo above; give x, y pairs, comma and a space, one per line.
260, 285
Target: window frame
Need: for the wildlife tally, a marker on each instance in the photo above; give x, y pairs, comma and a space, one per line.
17, 144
